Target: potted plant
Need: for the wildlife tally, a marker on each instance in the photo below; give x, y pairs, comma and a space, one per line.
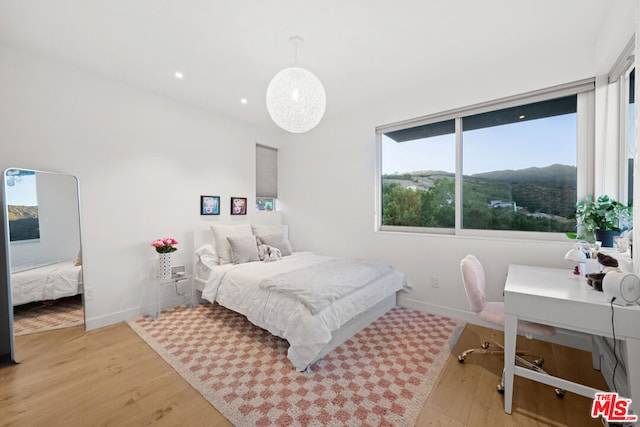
601, 219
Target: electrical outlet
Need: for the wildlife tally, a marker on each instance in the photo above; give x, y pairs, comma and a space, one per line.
88, 293
435, 282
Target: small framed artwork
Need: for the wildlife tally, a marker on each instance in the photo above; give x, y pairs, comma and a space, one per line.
238, 206
265, 204
209, 205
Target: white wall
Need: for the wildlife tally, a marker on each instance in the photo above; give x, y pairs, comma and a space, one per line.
332, 208
142, 162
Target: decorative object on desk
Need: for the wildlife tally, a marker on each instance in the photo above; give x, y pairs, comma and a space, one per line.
209, 205
580, 253
238, 206
621, 288
164, 247
606, 264
595, 280
600, 219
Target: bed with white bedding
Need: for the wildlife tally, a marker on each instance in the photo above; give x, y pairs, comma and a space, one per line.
46, 282
315, 302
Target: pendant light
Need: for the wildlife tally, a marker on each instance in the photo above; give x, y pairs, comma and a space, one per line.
296, 99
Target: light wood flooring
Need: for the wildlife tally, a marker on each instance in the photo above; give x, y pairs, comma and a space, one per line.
110, 377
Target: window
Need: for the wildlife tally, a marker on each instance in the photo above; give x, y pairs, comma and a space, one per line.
519, 167
22, 204
509, 165
266, 178
418, 181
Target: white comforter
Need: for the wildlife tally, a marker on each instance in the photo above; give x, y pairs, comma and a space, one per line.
45, 282
238, 288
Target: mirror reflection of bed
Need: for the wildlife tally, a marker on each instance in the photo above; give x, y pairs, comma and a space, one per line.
45, 258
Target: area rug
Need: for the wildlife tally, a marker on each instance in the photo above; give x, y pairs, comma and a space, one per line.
40, 317
380, 377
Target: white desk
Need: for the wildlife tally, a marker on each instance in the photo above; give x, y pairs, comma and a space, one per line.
559, 298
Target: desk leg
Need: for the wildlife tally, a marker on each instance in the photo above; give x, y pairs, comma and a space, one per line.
510, 334
595, 354
633, 373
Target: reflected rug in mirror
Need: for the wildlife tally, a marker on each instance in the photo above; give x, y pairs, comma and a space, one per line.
381, 376
47, 316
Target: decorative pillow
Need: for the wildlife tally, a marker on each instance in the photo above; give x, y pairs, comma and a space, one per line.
243, 249
207, 256
221, 232
267, 230
277, 241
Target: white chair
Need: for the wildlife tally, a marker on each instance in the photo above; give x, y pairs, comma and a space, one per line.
493, 312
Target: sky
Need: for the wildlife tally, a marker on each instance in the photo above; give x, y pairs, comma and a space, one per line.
538, 143
22, 192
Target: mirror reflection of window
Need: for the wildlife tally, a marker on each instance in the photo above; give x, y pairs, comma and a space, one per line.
22, 202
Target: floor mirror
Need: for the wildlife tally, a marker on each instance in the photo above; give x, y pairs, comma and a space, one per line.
44, 258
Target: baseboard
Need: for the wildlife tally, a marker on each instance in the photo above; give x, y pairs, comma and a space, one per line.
564, 337
111, 318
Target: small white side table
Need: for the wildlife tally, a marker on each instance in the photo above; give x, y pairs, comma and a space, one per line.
182, 286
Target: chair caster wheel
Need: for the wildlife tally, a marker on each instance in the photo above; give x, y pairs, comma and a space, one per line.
460, 359
539, 362
559, 393
500, 388
485, 345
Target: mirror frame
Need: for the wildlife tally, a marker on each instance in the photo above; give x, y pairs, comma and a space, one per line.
7, 247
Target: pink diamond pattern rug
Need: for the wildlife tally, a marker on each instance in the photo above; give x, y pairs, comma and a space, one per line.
380, 377
40, 317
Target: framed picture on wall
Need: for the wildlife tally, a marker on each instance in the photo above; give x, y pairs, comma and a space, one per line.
238, 206
209, 205
265, 204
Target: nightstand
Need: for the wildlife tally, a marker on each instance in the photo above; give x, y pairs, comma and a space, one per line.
182, 287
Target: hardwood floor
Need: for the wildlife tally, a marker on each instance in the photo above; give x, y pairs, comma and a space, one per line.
110, 377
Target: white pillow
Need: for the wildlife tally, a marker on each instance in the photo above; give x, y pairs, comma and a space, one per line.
207, 256
243, 249
221, 232
273, 235
277, 241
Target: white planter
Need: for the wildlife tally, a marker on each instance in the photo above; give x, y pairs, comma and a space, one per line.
164, 266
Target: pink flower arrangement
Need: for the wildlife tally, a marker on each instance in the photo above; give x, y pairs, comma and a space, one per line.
165, 246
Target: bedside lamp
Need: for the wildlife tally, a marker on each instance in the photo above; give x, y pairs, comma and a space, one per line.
579, 254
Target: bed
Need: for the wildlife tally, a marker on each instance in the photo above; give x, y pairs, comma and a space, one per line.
46, 282
282, 296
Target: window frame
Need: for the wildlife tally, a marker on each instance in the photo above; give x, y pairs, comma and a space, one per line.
585, 91
266, 175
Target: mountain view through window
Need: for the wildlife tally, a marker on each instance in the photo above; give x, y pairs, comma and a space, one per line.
518, 169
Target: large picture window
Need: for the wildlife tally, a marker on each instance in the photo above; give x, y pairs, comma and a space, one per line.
510, 165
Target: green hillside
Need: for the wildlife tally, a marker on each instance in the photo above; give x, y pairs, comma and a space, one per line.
23, 223
532, 199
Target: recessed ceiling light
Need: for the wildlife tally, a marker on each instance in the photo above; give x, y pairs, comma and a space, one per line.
521, 116
179, 75
244, 101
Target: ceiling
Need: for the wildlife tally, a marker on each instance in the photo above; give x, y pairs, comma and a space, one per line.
362, 50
